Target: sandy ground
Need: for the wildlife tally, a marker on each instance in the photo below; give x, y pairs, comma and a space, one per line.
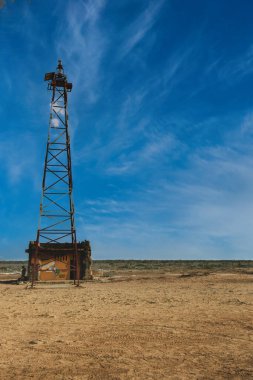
153, 326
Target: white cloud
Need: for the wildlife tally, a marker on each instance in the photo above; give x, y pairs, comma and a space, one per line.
140, 27
202, 211
81, 46
247, 124
150, 155
237, 68
55, 122
122, 134
15, 157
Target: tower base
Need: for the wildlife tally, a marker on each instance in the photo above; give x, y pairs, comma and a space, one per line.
57, 261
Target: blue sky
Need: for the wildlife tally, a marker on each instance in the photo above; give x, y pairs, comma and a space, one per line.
161, 120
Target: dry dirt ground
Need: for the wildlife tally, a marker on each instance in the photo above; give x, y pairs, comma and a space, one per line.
138, 326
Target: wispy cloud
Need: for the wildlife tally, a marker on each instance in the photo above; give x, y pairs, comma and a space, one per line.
148, 156
246, 128
15, 157
140, 27
81, 45
238, 68
123, 132
203, 210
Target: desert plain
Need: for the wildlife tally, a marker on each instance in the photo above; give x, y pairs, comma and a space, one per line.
142, 323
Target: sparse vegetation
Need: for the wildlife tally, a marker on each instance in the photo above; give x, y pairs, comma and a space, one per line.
11, 266
173, 265
139, 265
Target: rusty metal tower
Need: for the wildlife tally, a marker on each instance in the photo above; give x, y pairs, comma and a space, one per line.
57, 208
56, 222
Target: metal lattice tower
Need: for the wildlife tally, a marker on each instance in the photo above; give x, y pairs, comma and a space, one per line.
56, 222
57, 209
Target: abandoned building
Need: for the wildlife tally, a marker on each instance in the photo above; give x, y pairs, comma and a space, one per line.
57, 261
